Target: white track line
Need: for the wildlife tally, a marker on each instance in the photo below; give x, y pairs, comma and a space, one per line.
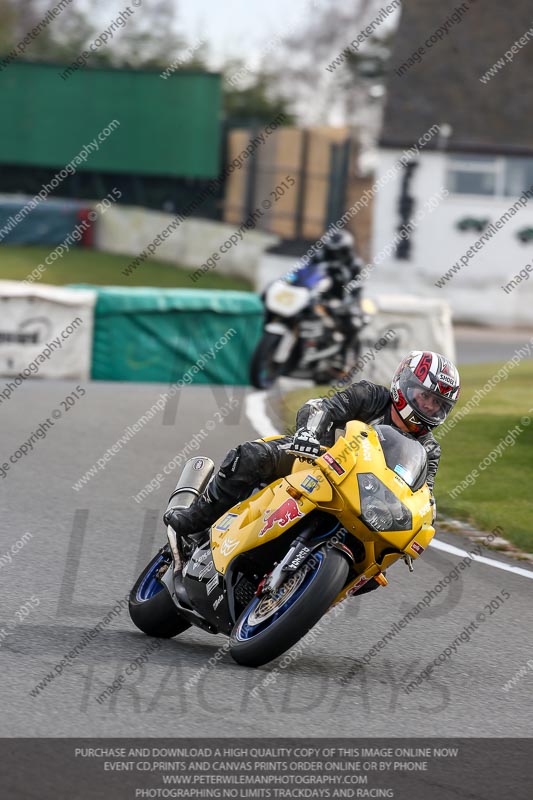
491, 562
256, 411
257, 414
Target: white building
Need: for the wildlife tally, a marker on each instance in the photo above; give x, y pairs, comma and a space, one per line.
474, 248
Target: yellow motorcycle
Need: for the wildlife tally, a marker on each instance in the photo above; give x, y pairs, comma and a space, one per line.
277, 561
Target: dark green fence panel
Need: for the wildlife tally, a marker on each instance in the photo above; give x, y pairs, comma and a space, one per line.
166, 127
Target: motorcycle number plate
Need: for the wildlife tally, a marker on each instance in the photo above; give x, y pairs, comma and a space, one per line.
286, 300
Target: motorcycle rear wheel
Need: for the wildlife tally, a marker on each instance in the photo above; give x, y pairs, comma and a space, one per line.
151, 607
270, 626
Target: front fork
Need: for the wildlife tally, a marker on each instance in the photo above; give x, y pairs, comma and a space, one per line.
286, 343
299, 553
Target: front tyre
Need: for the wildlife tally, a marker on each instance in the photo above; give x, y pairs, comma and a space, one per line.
263, 369
150, 605
271, 625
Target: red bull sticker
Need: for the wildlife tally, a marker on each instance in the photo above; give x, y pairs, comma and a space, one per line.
333, 464
417, 548
309, 483
361, 582
225, 523
287, 512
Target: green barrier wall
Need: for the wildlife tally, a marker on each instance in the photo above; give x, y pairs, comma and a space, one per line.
167, 127
166, 335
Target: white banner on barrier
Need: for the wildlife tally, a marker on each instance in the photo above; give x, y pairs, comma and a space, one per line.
45, 332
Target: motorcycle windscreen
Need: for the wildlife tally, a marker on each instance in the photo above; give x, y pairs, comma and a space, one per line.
404, 455
307, 275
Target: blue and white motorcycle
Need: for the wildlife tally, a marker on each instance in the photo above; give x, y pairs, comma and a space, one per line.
312, 330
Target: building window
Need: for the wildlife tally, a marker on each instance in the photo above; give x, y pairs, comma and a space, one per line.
518, 176
475, 175
490, 176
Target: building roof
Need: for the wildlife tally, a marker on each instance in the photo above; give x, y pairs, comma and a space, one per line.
445, 87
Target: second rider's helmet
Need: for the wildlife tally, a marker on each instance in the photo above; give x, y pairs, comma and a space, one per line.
338, 246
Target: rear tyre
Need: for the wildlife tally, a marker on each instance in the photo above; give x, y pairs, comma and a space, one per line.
150, 605
270, 626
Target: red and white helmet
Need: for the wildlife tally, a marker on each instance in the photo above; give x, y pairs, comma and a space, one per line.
424, 389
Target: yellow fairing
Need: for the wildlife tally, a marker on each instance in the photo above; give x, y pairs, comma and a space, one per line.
358, 452
255, 521
331, 485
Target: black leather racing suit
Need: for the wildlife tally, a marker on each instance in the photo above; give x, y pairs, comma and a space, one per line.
364, 401
252, 464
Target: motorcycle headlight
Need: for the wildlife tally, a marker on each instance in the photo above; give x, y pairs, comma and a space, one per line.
380, 508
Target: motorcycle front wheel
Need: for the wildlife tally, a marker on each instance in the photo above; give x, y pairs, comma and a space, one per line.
150, 605
270, 625
263, 369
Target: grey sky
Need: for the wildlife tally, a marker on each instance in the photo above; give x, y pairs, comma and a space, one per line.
241, 28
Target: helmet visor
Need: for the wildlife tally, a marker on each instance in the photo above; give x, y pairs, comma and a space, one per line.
430, 406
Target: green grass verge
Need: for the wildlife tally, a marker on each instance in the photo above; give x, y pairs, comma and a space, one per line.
501, 493
82, 265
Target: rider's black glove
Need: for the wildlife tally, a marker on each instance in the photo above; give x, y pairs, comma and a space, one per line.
306, 443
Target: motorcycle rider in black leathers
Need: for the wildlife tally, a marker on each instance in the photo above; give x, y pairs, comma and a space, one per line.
333, 278
337, 262
424, 389
341, 264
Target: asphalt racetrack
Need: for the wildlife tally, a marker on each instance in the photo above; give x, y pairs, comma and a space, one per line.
86, 547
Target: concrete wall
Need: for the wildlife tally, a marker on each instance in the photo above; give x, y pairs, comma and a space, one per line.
475, 293
131, 230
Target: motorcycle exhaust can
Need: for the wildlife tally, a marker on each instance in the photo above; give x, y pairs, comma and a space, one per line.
194, 478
